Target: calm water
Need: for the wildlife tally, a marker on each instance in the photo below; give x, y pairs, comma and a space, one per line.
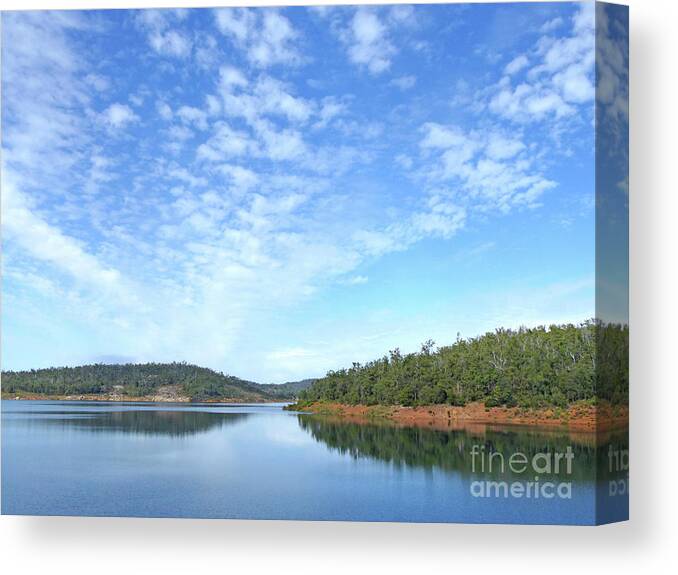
260, 462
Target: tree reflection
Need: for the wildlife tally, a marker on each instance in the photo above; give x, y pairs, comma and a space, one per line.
451, 450
172, 423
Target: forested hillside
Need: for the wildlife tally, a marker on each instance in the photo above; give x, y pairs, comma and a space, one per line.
287, 389
544, 366
134, 380
538, 367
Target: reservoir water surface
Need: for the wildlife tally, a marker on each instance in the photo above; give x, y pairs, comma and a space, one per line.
261, 462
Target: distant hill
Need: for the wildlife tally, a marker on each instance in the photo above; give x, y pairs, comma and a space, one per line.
287, 390
158, 381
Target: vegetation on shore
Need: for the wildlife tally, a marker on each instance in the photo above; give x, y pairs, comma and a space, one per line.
141, 381
550, 367
535, 368
287, 390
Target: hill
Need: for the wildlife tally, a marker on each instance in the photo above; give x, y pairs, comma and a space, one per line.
554, 366
158, 381
287, 390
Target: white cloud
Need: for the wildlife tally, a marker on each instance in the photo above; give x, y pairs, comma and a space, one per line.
273, 117
273, 98
193, 116
404, 161
230, 76
528, 103
242, 179
46, 243
330, 109
213, 105
267, 95
279, 145
574, 82
561, 77
402, 14
375, 243
516, 65
164, 110
446, 137
266, 142
98, 82
162, 38
118, 116
551, 25
503, 148
171, 43
236, 22
487, 170
368, 42
266, 36
100, 172
404, 82
136, 100
187, 177
46, 145
443, 219
356, 280
41, 137
206, 51
226, 143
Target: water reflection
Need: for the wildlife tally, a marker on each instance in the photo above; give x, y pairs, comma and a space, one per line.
96, 459
171, 423
452, 450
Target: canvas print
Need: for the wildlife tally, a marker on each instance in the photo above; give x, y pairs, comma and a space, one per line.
357, 263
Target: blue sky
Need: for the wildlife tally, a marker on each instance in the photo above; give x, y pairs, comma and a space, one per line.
276, 193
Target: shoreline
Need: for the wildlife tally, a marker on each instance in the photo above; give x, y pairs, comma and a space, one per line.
581, 417
134, 399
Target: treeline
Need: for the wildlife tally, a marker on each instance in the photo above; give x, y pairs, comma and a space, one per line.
286, 390
537, 367
135, 380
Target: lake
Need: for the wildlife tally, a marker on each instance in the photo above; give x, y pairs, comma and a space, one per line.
261, 462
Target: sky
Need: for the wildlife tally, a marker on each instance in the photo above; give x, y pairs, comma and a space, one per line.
275, 193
